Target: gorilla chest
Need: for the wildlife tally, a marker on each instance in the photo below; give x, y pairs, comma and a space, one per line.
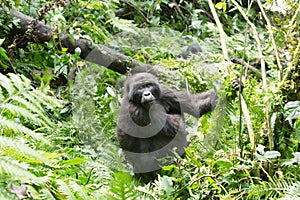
159, 133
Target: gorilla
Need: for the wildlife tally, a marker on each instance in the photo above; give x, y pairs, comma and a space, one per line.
192, 49
151, 126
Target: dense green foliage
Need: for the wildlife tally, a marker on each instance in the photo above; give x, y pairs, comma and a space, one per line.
57, 136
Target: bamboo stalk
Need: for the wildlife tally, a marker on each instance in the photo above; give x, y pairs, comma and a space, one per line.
226, 57
272, 38
263, 72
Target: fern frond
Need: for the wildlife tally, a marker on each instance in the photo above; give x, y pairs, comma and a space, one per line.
44, 99
273, 189
33, 108
46, 194
65, 189
79, 191
19, 128
20, 84
22, 112
122, 187
6, 84
22, 101
32, 99
17, 149
14, 170
293, 192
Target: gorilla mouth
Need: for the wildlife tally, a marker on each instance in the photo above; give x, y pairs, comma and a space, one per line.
149, 101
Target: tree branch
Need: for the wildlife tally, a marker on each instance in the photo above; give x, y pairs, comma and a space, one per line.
96, 53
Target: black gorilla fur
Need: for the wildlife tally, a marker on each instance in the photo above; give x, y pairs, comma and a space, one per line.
151, 122
192, 49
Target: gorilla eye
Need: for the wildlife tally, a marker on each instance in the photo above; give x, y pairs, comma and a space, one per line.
149, 85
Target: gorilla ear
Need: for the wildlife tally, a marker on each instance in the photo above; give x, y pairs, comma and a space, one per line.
127, 88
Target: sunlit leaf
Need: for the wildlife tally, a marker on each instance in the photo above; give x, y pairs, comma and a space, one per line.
292, 110
3, 54
167, 184
272, 154
224, 164
110, 91
74, 161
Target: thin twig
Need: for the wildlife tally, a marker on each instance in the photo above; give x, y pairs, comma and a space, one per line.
272, 38
242, 62
137, 9
179, 10
221, 31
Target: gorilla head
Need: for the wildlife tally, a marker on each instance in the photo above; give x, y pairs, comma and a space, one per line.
142, 90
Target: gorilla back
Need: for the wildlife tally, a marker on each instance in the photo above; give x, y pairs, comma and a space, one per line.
151, 124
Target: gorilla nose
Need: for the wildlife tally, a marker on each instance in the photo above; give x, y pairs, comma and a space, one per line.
147, 93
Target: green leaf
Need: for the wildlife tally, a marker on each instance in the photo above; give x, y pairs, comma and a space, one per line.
20, 150
224, 164
74, 161
4, 66
65, 189
124, 25
3, 54
292, 110
19, 171
272, 154
77, 188
220, 5
167, 184
110, 91
1, 41
122, 187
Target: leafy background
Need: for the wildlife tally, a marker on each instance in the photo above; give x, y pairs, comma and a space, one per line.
57, 137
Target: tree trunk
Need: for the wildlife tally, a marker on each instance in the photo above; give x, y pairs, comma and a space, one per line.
96, 53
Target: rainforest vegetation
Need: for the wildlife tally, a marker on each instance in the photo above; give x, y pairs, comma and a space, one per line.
62, 69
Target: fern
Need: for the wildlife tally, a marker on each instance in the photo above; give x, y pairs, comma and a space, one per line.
14, 170
7, 84
36, 108
122, 187
19, 150
292, 192
79, 191
17, 110
46, 194
6, 124
22, 113
71, 190
22, 107
65, 189
275, 189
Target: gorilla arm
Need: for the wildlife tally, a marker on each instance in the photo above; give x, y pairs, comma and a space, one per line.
184, 102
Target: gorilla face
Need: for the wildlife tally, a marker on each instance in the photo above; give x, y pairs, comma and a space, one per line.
145, 95
143, 90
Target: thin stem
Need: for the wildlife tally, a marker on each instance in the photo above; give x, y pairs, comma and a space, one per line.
263, 72
272, 38
226, 57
